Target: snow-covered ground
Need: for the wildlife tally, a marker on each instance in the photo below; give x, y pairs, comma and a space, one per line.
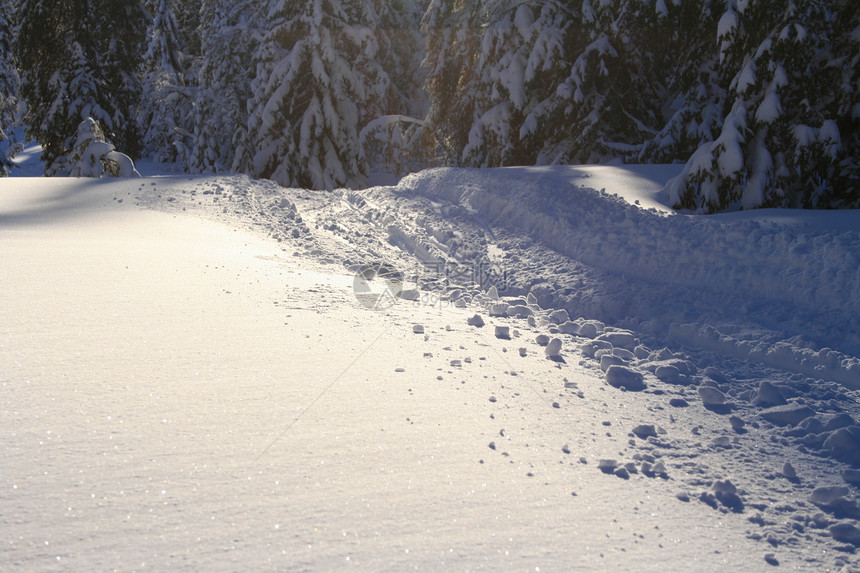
201, 373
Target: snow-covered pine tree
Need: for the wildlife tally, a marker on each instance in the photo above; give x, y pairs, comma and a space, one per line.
92, 156
303, 120
9, 83
694, 97
387, 33
40, 39
167, 105
542, 82
551, 43
164, 47
791, 76
80, 58
81, 86
230, 35
452, 34
607, 102
392, 111
188, 20
500, 86
844, 60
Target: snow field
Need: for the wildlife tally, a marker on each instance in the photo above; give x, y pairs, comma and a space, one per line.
220, 399
150, 421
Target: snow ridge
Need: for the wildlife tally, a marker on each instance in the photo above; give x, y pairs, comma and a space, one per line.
796, 280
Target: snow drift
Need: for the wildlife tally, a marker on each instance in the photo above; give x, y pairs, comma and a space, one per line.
777, 286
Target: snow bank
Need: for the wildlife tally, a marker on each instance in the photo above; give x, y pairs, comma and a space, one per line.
796, 274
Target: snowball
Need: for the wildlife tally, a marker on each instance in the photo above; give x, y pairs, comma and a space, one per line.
559, 316
623, 377
607, 466
498, 309
623, 339
644, 431
607, 360
588, 330
846, 532
711, 396
768, 395
787, 414
668, 374
553, 349
789, 471
844, 444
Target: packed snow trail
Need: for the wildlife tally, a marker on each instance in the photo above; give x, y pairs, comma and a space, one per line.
775, 286
186, 394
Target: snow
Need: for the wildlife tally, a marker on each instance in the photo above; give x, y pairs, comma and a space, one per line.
770, 108
727, 24
731, 159
27, 160
830, 137
746, 77
523, 21
642, 185
92, 156
804, 135
760, 173
190, 382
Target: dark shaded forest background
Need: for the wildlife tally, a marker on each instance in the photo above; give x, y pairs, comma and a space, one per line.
758, 98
